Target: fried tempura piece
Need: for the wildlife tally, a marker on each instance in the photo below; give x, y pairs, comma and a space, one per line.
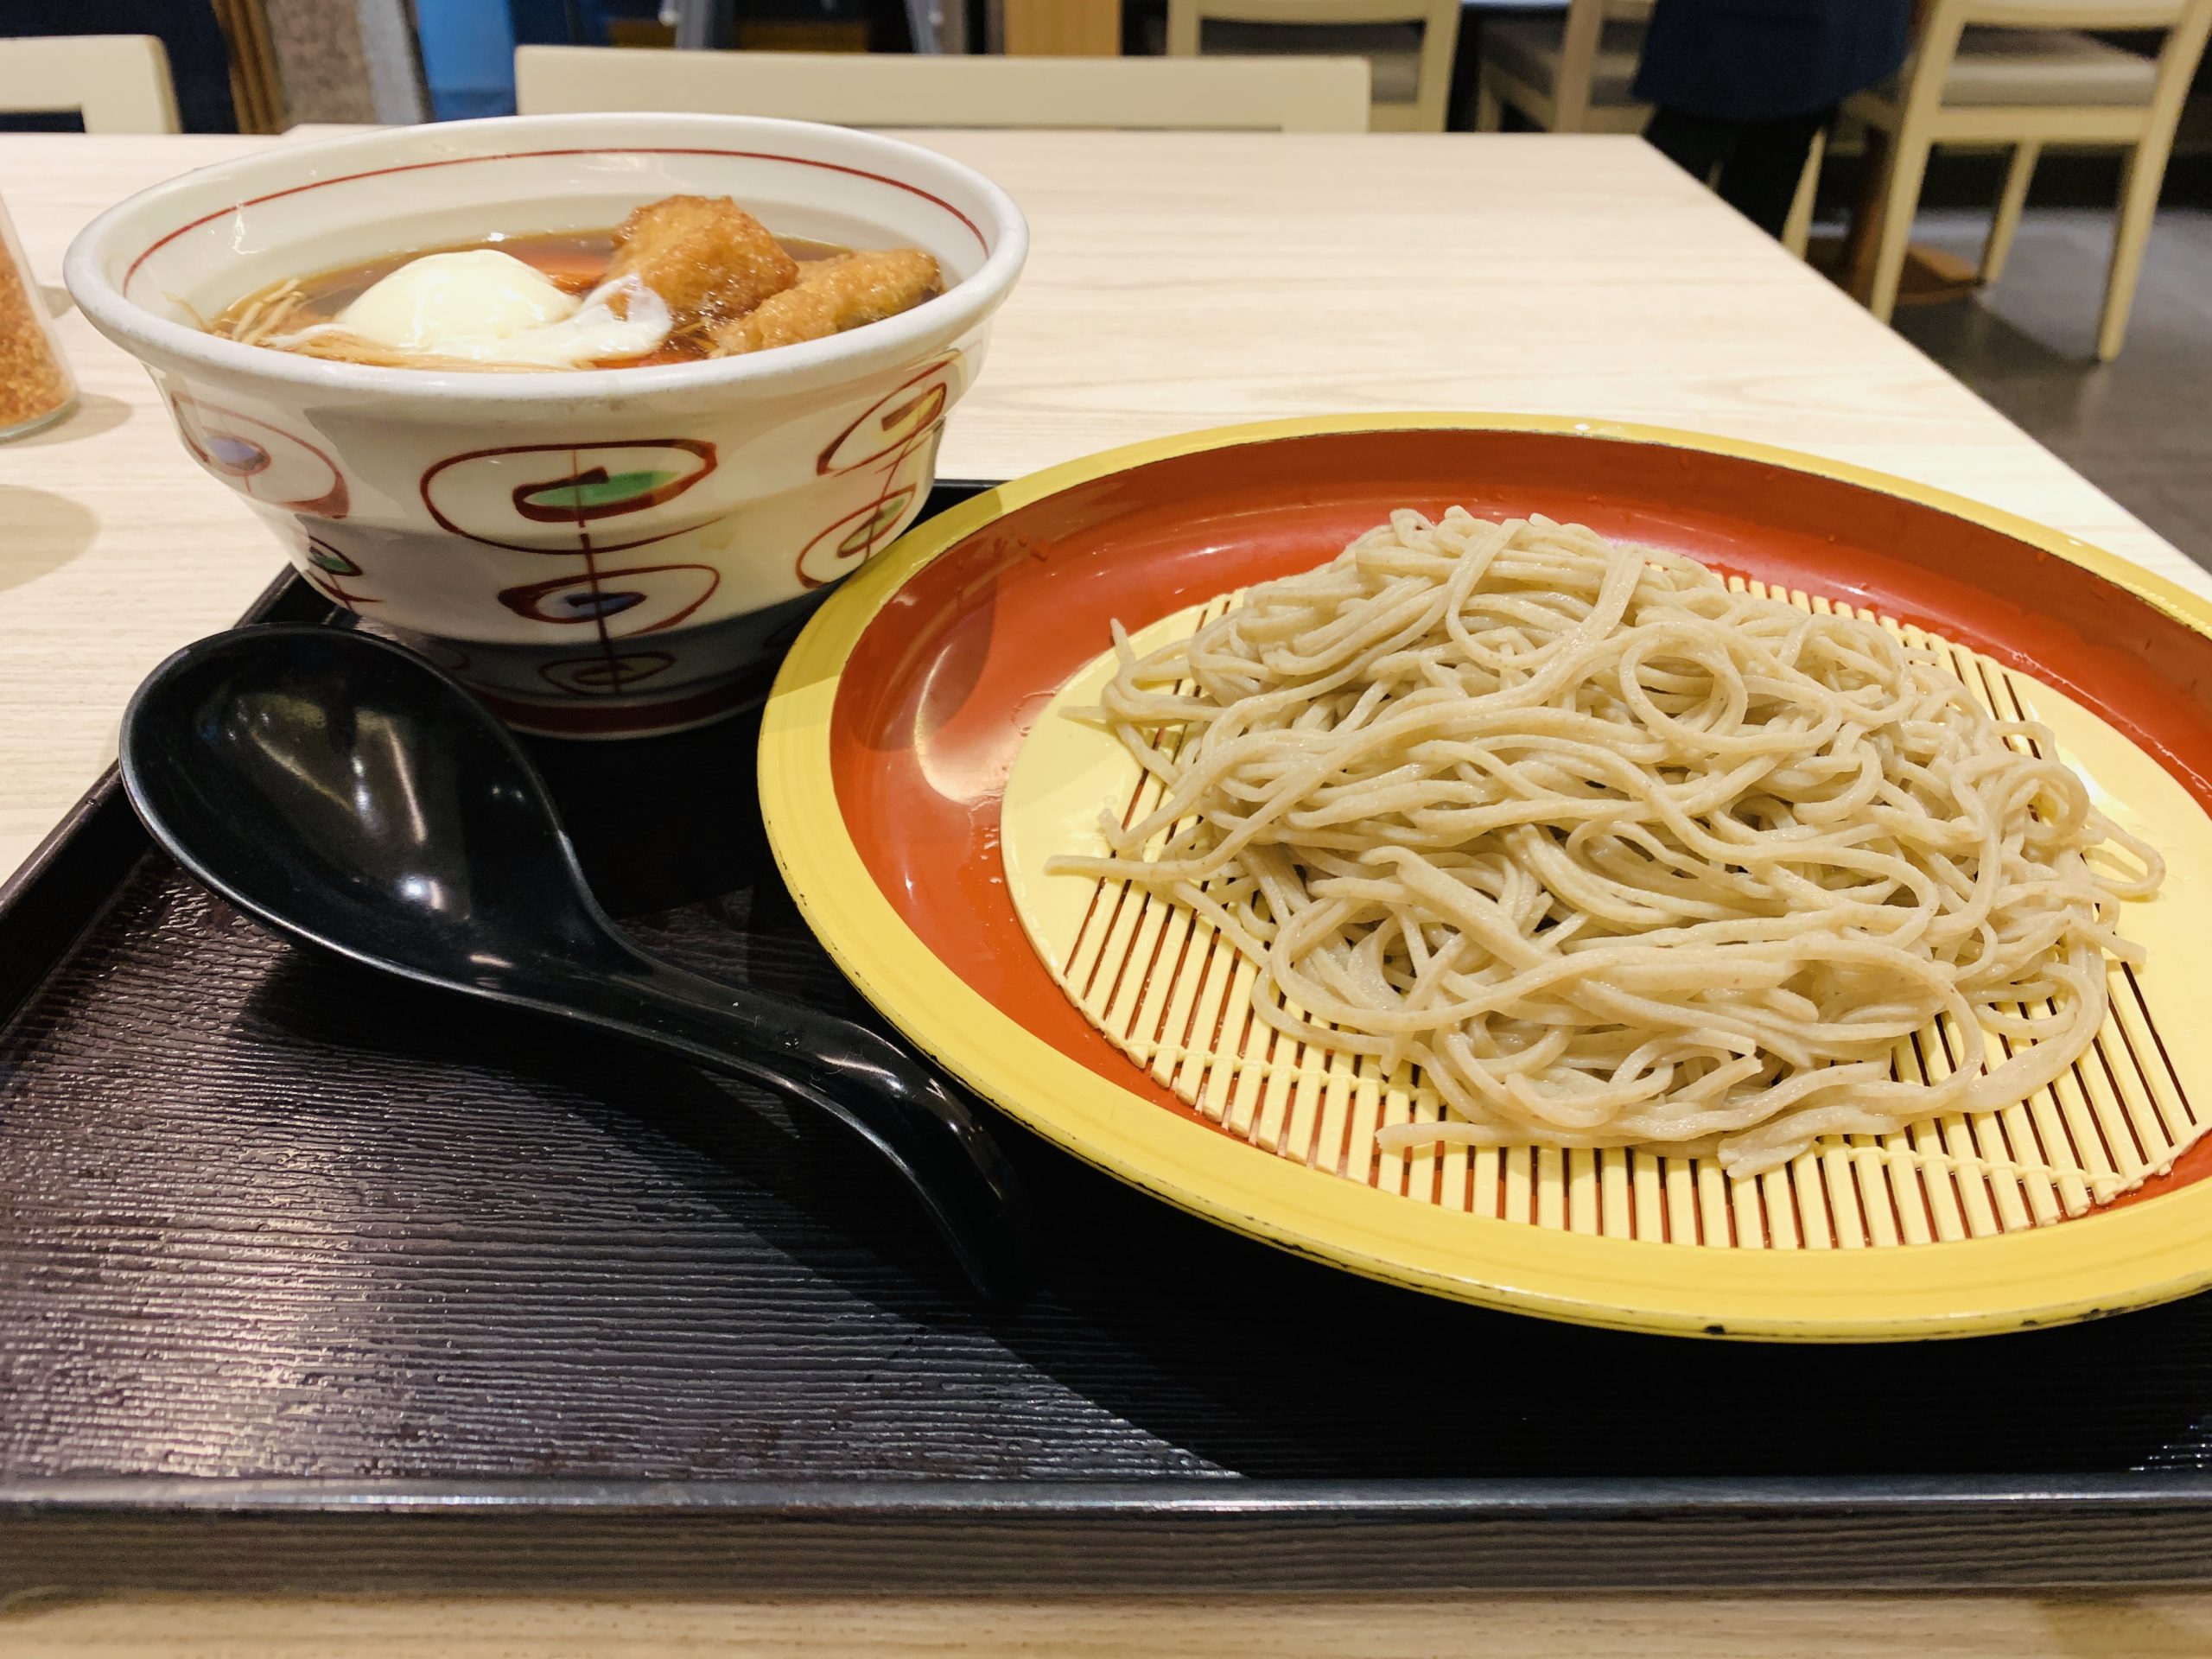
705, 256
831, 297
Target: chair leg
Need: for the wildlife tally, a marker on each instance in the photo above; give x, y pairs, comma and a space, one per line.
2009, 204
1855, 267
2139, 203
1797, 229
1900, 198
1490, 109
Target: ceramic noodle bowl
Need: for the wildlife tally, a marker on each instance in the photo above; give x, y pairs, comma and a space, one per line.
599, 552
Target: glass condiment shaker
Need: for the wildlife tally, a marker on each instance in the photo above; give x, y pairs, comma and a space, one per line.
36, 384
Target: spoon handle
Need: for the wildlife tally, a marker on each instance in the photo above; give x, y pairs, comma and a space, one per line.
918, 1122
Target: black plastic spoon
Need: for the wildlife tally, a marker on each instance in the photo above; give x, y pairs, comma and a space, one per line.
350, 796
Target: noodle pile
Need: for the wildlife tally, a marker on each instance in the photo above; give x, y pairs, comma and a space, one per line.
1614, 855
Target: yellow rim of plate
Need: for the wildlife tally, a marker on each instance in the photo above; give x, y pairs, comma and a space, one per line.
2107, 1261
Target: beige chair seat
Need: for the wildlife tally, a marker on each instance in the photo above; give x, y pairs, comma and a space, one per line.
1528, 49
1999, 66
1394, 49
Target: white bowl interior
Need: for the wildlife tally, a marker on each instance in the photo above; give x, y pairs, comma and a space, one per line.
215, 239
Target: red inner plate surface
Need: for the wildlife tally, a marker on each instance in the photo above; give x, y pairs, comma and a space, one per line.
950, 674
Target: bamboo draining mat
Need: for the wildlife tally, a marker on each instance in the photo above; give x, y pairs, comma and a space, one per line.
1156, 979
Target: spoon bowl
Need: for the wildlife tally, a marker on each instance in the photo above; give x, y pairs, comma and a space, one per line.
349, 794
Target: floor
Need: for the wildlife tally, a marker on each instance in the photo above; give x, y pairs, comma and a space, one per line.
2140, 428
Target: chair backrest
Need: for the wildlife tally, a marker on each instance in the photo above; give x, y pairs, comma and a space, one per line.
2186, 22
1439, 37
2065, 14
1594, 15
887, 90
1578, 55
117, 83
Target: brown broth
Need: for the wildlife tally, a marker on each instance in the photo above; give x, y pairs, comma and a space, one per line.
575, 261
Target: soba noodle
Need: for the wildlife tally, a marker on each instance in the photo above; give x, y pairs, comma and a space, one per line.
1613, 855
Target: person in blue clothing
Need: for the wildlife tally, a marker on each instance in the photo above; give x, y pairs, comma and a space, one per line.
1744, 84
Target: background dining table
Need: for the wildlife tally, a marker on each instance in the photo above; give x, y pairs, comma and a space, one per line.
1177, 281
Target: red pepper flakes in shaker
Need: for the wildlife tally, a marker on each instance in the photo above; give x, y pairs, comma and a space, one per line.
36, 384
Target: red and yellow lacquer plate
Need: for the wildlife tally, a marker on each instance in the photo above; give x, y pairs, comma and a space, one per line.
1097, 1018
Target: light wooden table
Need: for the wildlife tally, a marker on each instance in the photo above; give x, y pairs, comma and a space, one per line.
1177, 281
1414, 1626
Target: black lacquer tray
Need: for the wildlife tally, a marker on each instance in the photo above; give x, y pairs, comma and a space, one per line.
311, 1280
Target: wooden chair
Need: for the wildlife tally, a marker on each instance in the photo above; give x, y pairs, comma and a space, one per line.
885, 90
256, 93
2014, 73
1571, 76
1410, 42
117, 83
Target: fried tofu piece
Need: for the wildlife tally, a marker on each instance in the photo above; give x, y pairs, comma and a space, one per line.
830, 297
705, 256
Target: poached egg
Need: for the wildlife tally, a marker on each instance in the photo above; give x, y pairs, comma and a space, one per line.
487, 307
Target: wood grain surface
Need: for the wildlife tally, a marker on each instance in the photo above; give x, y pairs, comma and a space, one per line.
1061, 28
276, 1225
1177, 281
1289, 1627
267, 1217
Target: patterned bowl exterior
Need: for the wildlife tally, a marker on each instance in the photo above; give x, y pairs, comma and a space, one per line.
601, 552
